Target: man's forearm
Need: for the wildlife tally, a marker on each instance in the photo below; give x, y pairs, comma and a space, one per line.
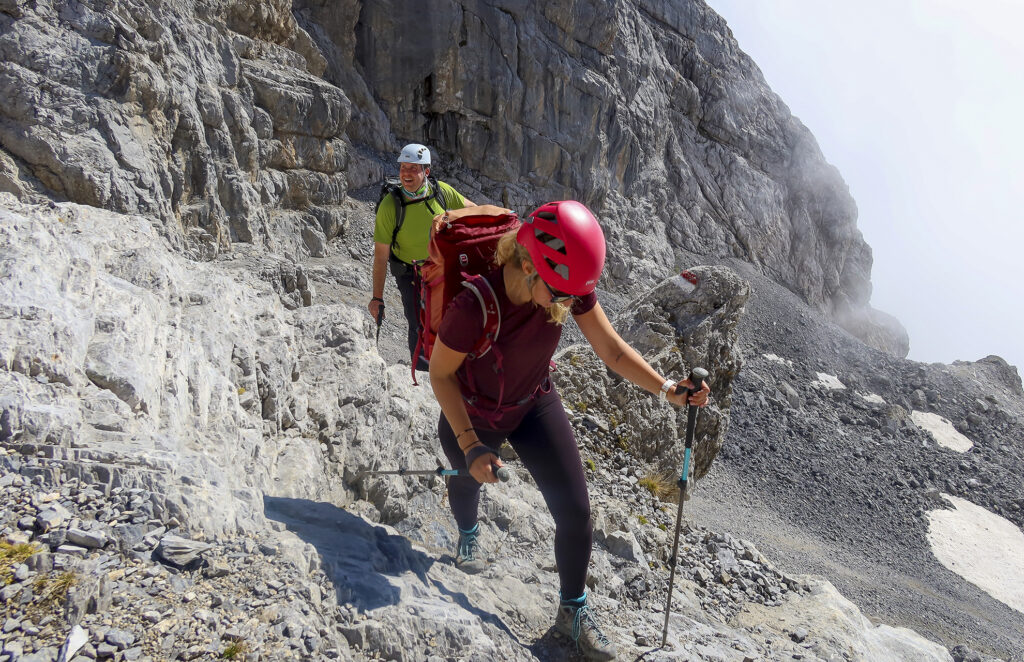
380, 271
381, 252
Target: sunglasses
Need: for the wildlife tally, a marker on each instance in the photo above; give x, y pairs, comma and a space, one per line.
556, 296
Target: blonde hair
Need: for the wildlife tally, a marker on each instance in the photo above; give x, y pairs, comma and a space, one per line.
510, 251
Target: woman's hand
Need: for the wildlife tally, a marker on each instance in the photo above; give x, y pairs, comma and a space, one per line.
698, 399
483, 468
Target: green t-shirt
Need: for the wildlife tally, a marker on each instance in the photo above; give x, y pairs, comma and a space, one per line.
414, 235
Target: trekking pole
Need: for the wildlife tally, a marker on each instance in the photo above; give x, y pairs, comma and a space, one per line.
697, 378
501, 472
380, 319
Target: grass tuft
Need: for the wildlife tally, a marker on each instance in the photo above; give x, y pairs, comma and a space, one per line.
10, 555
52, 591
661, 485
234, 650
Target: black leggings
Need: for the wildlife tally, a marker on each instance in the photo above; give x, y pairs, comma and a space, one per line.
547, 447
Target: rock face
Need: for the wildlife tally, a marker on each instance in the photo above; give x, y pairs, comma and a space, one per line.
206, 116
133, 365
677, 326
646, 109
251, 122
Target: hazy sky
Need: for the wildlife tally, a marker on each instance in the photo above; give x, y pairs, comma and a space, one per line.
920, 104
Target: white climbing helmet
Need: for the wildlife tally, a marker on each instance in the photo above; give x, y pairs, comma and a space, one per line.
415, 153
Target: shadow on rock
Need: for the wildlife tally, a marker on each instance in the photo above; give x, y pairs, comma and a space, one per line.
487, 617
356, 555
554, 647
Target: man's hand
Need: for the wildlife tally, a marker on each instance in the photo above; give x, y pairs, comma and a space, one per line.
376, 306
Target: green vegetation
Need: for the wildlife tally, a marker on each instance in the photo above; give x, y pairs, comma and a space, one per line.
235, 650
590, 464
53, 591
659, 485
642, 519
11, 555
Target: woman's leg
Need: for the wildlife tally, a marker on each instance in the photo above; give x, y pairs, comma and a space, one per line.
463, 491
545, 442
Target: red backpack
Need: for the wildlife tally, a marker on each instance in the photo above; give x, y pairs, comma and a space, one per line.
462, 244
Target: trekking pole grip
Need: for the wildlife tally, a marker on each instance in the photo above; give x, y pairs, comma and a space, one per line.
501, 472
697, 377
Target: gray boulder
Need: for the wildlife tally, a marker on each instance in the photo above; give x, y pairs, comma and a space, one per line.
677, 326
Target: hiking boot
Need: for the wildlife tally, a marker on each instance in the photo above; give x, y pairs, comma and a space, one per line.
575, 619
468, 557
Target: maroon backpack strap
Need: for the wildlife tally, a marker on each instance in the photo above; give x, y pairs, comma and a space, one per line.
488, 299
424, 306
493, 412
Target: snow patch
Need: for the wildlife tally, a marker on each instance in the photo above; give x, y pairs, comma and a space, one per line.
982, 547
942, 431
873, 398
778, 359
831, 382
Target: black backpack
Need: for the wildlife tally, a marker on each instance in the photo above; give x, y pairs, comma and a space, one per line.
393, 188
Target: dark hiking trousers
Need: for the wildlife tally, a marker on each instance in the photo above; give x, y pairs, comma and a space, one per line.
409, 287
547, 447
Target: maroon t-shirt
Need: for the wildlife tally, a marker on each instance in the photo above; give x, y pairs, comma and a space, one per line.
526, 342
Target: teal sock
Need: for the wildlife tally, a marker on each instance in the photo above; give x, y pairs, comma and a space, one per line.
575, 603
472, 531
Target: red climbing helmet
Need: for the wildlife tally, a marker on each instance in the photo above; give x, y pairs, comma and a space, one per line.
566, 245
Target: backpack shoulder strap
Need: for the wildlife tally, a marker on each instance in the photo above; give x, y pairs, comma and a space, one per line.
437, 194
399, 199
488, 299
391, 187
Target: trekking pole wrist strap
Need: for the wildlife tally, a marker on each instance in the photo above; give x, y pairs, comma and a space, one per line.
476, 452
376, 299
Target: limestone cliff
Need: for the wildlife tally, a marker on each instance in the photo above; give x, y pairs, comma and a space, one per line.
252, 122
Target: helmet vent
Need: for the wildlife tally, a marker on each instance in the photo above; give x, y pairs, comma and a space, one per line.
551, 241
560, 269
